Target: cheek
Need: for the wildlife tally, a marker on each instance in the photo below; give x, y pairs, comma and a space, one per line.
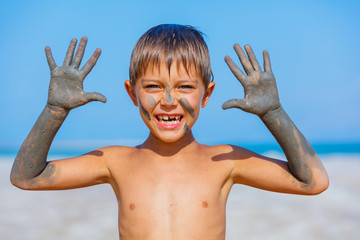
147, 105
151, 101
187, 106
143, 110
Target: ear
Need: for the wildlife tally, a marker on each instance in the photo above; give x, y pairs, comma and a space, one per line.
131, 91
207, 94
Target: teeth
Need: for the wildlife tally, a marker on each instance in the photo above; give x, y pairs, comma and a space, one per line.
168, 120
168, 117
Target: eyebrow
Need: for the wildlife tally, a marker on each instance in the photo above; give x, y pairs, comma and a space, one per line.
150, 79
195, 81
145, 80
192, 80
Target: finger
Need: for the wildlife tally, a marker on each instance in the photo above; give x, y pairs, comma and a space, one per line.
91, 63
235, 103
95, 96
243, 59
252, 58
70, 52
80, 52
50, 58
235, 70
267, 64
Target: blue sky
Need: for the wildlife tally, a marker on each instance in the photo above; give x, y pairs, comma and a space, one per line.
314, 49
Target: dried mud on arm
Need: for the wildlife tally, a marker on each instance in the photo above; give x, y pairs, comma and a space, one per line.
31, 169
262, 99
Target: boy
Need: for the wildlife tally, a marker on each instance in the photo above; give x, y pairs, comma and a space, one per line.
169, 187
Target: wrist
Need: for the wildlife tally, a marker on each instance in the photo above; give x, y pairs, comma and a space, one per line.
56, 112
271, 114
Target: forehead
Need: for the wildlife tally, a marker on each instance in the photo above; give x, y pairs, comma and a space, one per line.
176, 70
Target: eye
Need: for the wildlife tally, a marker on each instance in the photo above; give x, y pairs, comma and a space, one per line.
186, 88
152, 86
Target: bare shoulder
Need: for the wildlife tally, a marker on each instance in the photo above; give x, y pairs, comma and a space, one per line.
117, 149
243, 161
116, 154
228, 152
241, 157
229, 156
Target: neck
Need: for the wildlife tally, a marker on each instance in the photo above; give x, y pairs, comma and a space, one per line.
167, 149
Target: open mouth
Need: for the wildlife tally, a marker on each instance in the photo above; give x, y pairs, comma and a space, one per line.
169, 120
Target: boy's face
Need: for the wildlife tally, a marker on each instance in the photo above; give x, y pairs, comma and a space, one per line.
169, 102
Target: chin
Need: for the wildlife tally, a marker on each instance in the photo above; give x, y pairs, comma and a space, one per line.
170, 136
170, 139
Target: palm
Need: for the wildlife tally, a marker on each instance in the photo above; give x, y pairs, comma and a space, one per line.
261, 95
66, 85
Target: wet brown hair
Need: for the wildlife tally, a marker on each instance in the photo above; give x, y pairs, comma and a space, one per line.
169, 43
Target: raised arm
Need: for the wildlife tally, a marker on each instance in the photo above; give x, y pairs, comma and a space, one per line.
30, 169
262, 98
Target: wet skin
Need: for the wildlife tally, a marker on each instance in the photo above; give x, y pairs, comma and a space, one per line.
262, 98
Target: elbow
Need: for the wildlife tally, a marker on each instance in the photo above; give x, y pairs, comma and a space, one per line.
324, 184
18, 182
15, 181
318, 186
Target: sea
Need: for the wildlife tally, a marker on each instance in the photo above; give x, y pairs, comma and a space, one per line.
67, 150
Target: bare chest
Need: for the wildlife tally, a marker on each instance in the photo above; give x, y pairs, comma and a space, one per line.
170, 184
166, 197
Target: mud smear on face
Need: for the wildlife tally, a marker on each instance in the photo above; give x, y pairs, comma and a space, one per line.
151, 101
186, 128
146, 113
184, 102
169, 98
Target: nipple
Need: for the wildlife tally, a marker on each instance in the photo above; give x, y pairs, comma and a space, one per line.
132, 206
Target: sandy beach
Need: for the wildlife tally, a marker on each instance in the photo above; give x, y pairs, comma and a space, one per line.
91, 213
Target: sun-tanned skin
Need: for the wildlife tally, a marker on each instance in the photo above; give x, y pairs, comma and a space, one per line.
169, 187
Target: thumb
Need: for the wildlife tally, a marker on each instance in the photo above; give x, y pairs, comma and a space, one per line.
235, 103
95, 96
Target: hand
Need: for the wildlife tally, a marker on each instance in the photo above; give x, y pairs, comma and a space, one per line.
261, 95
66, 84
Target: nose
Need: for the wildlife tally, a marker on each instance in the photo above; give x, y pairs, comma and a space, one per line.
168, 99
